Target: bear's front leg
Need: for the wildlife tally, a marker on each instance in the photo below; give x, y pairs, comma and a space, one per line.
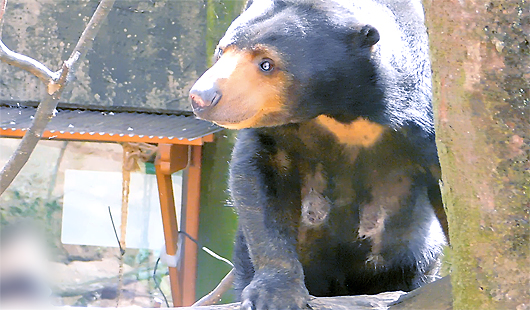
268, 203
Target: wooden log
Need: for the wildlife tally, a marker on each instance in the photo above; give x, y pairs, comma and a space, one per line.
433, 296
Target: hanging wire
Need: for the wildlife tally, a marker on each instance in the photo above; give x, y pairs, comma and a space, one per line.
157, 285
205, 249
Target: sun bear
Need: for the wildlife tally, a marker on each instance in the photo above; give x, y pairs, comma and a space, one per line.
334, 174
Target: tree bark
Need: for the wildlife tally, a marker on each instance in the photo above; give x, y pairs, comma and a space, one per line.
481, 84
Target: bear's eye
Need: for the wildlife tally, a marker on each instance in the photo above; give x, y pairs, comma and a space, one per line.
266, 65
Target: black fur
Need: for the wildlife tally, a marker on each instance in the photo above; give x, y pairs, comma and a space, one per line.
376, 229
334, 256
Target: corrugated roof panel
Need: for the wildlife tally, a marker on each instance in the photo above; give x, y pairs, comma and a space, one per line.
112, 123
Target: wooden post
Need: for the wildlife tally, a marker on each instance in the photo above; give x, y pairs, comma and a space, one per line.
191, 199
171, 158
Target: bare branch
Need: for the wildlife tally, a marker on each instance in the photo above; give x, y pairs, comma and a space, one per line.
47, 106
21, 155
63, 78
27, 63
215, 296
88, 35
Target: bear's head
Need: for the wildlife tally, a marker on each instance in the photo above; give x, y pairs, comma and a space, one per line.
284, 62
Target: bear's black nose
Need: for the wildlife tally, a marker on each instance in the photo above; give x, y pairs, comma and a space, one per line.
204, 98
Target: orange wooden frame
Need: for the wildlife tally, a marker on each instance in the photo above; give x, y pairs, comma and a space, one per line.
171, 159
173, 155
105, 137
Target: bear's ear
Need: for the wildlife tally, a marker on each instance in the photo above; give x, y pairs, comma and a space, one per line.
369, 35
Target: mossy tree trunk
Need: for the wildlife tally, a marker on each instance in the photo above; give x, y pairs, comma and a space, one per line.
481, 63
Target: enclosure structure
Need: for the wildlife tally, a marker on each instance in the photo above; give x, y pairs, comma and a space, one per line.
179, 139
131, 87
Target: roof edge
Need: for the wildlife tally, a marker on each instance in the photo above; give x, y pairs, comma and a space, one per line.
97, 108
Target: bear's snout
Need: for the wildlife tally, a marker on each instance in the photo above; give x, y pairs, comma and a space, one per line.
204, 98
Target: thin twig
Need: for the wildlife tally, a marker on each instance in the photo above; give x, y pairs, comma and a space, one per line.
47, 106
29, 64
21, 155
122, 251
215, 296
88, 35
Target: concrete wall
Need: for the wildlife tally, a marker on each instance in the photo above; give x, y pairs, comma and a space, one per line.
146, 55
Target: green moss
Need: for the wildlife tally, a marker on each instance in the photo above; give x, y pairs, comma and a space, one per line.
483, 142
218, 221
219, 14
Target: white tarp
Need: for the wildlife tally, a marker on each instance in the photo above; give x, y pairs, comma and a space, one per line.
87, 196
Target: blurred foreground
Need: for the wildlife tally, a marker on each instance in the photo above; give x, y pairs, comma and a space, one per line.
84, 276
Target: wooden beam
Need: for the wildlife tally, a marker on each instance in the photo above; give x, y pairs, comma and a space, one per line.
105, 137
191, 201
171, 158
